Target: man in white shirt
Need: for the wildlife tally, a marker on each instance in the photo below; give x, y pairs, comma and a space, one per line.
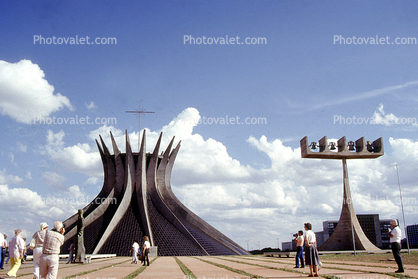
49, 261
299, 254
395, 241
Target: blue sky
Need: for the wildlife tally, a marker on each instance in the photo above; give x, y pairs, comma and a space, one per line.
299, 82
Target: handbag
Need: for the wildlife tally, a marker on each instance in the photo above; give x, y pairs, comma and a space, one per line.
32, 243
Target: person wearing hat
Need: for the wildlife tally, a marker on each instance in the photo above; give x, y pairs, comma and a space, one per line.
395, 241
39, 237
16, 249
49, 262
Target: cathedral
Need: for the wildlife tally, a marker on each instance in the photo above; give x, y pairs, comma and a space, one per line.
137, 200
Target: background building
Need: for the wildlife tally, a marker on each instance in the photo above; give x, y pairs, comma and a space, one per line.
374, 228
412, 231
289, 246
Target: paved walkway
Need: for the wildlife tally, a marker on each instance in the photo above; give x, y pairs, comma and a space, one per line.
231, 267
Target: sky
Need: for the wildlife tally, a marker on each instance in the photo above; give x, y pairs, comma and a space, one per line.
239, 83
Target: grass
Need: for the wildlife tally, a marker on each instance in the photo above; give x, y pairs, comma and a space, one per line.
139, 270
185, 269
231, 269
411, 259
276, 268
93, 270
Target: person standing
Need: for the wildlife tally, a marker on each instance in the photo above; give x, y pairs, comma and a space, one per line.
16, 250
135, 248
25, 255
299, 252
311, 253
146, 249
7, 248
395, 241
71, 251
81, 250
49, 262
1, 250
39, 237
140, 255
4, 249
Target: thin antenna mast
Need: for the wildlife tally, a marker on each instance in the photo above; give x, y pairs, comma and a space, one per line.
139, 112
403, 213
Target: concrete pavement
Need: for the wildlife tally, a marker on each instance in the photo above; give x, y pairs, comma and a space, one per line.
215, 267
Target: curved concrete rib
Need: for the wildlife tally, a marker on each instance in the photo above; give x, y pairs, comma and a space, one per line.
348, 225
131, 183
141, 189
109, 174
119, 174
180, 209
125, 201
93, 216
155, 175
106, 194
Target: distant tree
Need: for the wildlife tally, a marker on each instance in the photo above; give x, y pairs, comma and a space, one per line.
264, 250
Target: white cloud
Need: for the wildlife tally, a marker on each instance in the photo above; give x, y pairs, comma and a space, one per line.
91, 180
12, 158
24, 208
380, 117
91, 105
342, 99
25, 94
405, 154
182, 126
278, 198
19, 198
279, 154
54, 179
80, 157
8, 178
404, 148
22, 147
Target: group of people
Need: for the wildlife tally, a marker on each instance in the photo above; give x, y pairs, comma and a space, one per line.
311, 251
47, 248
143, 255
46, 251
